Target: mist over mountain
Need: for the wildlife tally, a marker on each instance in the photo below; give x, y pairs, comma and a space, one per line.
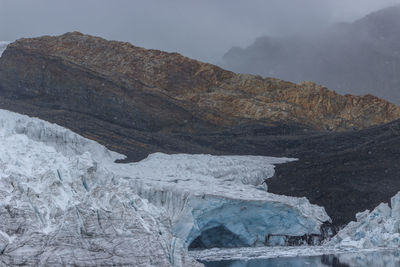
203, 30
360, 58
125, 146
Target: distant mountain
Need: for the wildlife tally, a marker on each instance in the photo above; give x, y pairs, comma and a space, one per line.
155, 94
360, 58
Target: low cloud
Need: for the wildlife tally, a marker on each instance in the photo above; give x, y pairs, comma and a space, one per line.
201, 29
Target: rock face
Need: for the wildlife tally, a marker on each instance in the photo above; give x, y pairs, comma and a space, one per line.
151, 90
360, 58
137, 101
344, 172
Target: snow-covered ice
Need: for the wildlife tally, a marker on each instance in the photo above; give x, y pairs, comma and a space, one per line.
62, 198
3, 45
373, 240
218, 195
60, 204
378, 228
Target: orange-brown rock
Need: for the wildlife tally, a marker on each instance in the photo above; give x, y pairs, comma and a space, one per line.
137, 79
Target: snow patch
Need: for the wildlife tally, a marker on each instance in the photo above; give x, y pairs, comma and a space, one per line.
3, 46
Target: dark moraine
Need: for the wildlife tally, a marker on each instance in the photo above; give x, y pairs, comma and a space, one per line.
346, 172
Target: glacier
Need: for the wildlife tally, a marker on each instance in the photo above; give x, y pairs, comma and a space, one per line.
377, 228
221, 200
3, 45
61, 205
64, 199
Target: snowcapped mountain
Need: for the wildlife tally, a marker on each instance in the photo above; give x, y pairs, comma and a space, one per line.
357, 58
137, 101
63, 199
3, 46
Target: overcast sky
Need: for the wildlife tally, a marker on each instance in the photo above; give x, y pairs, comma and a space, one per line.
202, 29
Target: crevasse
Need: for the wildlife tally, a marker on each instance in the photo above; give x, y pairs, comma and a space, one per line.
61, 190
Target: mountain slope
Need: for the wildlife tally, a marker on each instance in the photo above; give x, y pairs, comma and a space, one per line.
153, 90
358, 58
344, 172
144, 101
137, 101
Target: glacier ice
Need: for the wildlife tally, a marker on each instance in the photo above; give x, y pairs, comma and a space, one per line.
210, 197
64, 199
60, 205
378, 228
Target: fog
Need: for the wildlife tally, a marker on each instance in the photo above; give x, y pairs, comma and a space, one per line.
361, 57
203, 29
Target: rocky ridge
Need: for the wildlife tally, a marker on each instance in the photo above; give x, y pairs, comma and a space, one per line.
155, 90
362, 57
137, 101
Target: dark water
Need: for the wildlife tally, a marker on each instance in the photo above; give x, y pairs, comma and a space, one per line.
374, 259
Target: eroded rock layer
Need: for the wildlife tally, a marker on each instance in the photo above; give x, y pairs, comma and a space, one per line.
152, 90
